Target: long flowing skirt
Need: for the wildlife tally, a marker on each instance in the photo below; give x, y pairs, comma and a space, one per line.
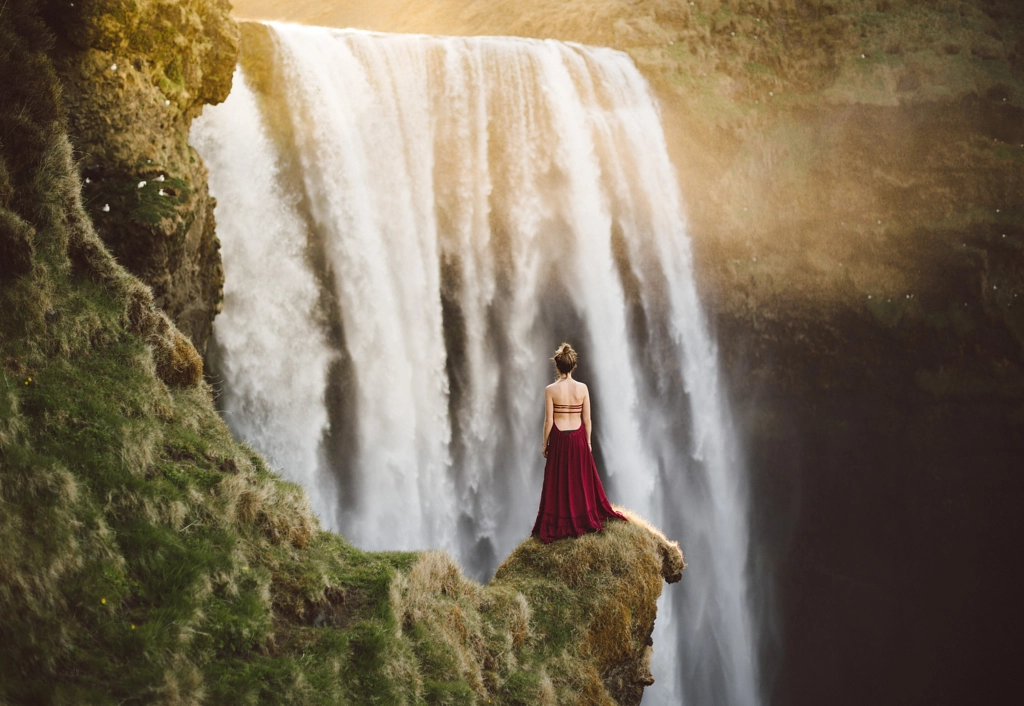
572, 501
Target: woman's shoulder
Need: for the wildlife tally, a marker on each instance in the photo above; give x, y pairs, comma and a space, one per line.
560, 386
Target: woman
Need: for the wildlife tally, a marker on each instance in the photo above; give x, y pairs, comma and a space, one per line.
572, 502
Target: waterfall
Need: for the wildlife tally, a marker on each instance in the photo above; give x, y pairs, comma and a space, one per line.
410, 225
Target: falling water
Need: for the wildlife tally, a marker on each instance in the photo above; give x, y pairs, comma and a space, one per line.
410, 225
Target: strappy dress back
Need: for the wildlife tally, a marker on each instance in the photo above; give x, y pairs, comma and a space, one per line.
568, 409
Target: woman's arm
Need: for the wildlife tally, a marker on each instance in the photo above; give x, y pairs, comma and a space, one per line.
549, 415
586, 415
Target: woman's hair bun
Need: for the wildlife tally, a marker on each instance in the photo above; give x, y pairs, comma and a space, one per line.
565, 359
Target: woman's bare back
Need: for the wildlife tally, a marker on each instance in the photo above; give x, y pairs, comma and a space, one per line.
568, 393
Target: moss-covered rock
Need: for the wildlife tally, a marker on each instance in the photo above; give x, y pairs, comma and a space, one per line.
563, 623
593, 601
134, 74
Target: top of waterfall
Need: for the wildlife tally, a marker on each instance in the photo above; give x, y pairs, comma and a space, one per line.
467, 39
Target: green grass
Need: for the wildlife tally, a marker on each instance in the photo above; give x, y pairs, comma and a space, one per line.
135, 211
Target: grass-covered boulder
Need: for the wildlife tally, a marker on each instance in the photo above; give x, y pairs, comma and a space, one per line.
593, 599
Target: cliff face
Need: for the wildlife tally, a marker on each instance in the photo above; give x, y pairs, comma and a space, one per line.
134, 74
860, 245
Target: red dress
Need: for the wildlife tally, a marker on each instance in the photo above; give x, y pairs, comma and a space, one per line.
572, 502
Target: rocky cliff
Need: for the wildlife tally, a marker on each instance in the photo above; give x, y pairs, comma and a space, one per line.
134, 74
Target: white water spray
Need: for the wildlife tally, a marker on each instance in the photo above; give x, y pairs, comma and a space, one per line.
403, 250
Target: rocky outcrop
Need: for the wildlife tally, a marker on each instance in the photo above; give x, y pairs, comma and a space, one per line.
563, 623
594, 599
134, 74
